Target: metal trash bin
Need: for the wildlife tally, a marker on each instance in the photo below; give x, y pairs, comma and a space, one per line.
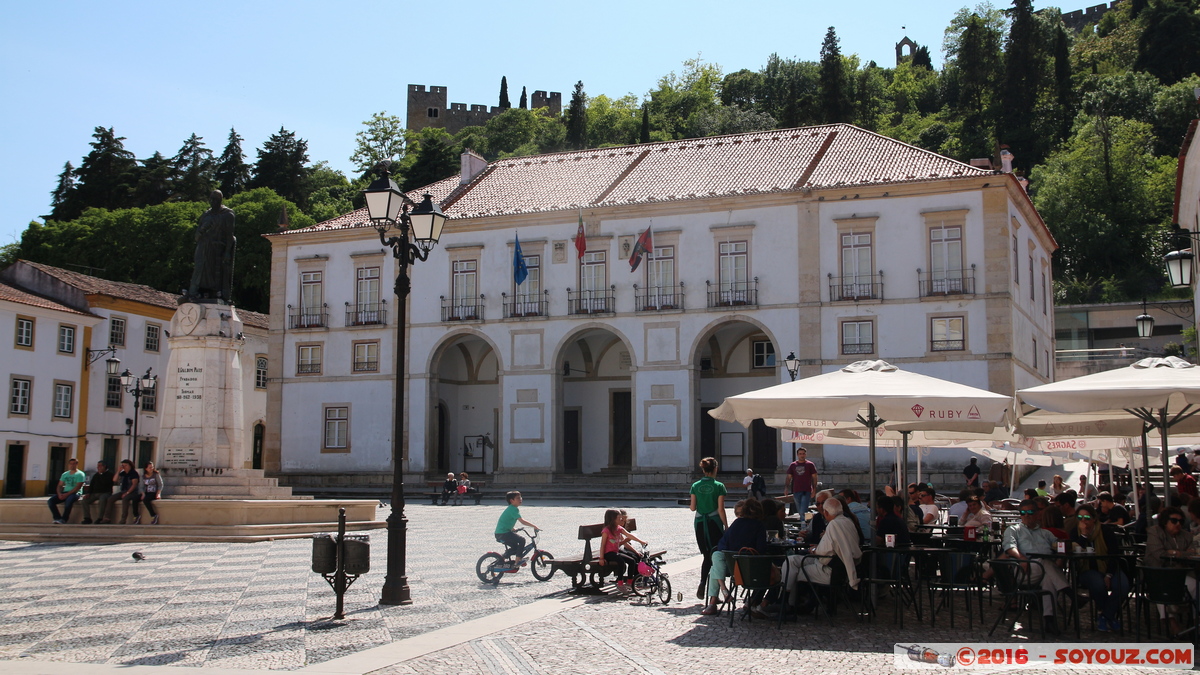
358, 554
324, 554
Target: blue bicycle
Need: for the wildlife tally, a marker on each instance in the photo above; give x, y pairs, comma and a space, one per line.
491, 566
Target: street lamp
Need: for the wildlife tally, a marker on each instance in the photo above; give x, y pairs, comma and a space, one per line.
110, 364
138, 387
417, 232
1179, 262
792, 364
1182, 309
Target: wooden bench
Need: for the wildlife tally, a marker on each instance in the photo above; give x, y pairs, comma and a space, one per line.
437, 491
587, 574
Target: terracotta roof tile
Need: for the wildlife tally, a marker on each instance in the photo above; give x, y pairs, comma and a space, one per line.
23, 297
117, 289
699, 168
256, 319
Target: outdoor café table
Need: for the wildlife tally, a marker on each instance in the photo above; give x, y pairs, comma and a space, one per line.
1185, 560
1073, 561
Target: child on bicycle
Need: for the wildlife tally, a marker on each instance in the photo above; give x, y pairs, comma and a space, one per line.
511, 515
613, 540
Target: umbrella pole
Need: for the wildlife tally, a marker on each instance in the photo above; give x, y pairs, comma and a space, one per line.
1145, 464
1012, 484
871, 452
918, 464
1162, 430
900, 489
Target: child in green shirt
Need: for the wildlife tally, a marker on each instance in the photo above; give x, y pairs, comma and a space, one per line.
513, 542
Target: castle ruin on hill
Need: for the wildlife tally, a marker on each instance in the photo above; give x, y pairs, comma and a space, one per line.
428, 108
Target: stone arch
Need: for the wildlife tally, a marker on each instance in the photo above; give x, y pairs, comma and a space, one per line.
594, 416
906, 42
464, 397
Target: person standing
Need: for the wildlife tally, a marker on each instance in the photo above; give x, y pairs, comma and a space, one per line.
708, 503
971, 473
152, 487
800, 481
67, 492
128, 477
99, 489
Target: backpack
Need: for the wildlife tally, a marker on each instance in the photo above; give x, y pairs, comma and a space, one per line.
759, 485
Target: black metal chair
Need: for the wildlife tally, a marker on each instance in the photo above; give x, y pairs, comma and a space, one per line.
758, 574
1014, 579
1161, 586
838, 585
957, 572
889, 570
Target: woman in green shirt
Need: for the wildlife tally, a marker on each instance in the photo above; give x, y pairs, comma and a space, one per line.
708, 501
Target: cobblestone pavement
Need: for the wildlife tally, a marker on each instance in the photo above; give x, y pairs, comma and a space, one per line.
257, 606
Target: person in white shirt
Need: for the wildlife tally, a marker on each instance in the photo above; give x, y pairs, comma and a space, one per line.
929, 510
959, 508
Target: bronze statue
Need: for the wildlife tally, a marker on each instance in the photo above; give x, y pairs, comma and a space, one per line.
212, 279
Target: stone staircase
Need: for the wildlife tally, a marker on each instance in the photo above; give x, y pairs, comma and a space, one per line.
223, 484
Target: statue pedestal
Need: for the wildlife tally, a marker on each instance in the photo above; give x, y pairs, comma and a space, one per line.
202, 450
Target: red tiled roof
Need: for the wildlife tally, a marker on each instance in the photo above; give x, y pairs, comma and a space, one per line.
835, 155
116, 289
23, 297
256, 319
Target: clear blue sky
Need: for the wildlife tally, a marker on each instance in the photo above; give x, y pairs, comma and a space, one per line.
159, 71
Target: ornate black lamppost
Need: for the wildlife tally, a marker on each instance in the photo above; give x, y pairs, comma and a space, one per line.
416, 233
138, 387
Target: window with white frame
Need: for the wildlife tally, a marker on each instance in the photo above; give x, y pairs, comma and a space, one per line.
732, 270
465, 288
66, 339
64, 395
945, 260
21, 390
593, 281
116, 331
763, 354
660, 270
858, 337
366, 357
308, 361
153, 333
260, 372
312, 298
337, 428
149, 399
114, 394
366, 293
527, 294
24, 332
947, 334
857, 261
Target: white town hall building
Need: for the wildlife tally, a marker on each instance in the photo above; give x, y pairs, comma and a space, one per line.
831, 242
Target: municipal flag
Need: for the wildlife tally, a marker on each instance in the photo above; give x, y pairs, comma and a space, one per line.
644, 245
580, 237
520, 269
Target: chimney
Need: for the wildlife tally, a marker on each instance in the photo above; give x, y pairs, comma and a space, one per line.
982, 163
472, 166
1024, 183
1006, 159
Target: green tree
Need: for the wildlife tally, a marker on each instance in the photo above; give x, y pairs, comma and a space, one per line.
1024, 78
435, 158
612, 121
107, 176
974, 63
871, 96
1107, 199
1174, 108
258, 214
790, 91
383, 137
63, 192
728, 119
508, 131
194, 171
921, 58
643, 133
1169, 46
332, 194
232, 174
741, 89
577, 119
524, 99
678, 97
505, 104
283, 166
156, 183
835, 101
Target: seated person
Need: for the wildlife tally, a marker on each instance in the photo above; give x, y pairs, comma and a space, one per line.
1031, 494
1110, 511
1027, 538
816, 526
840, 542
890, 522
449, 488
959, 508
1087, 491
1051, 519
850, 510
1065, 503
1106, 582
771, 521
997, 492
929, 510
1184, 483
977, 515
1168, 538
745, 532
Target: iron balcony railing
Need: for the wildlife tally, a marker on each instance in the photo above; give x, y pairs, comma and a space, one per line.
462, 309
733, 294
947, 282
367, 366
856, 287
602, 301
308, 317
525, 304
947, 345
858, 347
658, 298
308, 368
366, 313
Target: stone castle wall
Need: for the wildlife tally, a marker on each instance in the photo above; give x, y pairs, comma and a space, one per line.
429, 108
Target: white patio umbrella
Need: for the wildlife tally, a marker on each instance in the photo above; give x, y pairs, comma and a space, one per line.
1159, 393
874, 394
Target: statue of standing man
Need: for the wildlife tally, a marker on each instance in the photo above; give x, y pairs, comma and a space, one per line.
213, 274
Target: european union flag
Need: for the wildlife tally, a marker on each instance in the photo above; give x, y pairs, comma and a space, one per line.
520, 270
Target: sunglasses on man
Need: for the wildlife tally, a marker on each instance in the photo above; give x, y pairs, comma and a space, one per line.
1177, 521
1028, 513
